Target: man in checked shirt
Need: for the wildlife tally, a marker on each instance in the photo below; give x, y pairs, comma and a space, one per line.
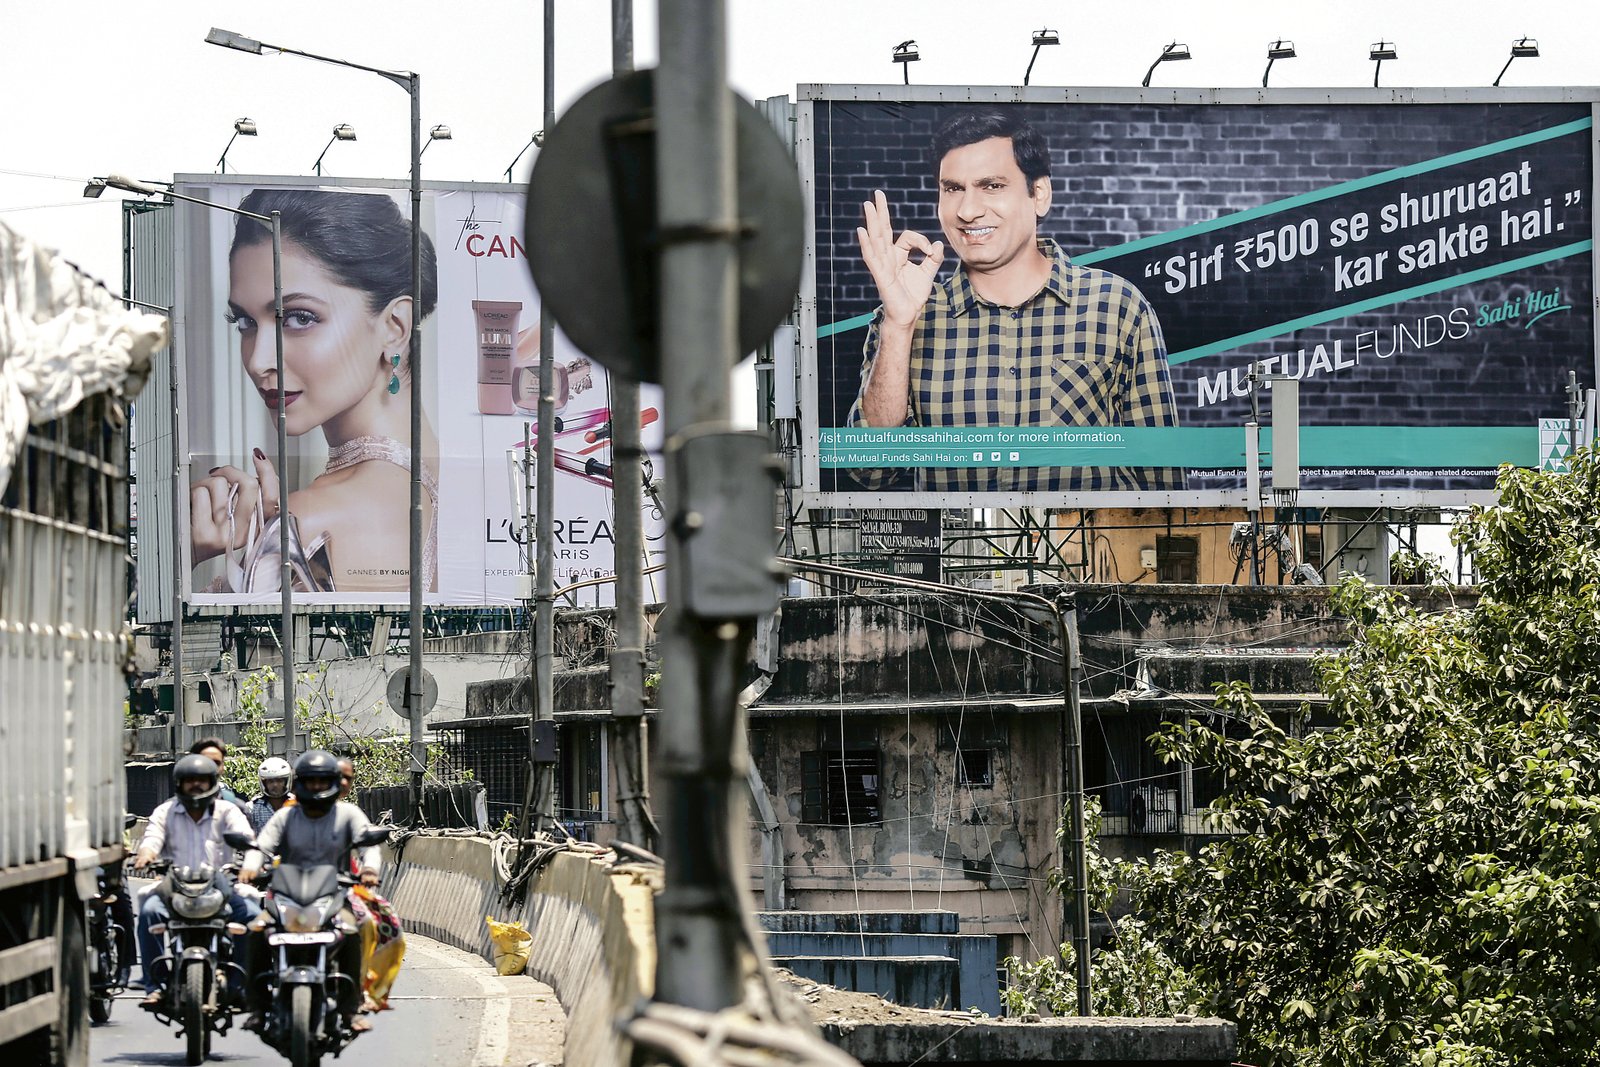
1018, 335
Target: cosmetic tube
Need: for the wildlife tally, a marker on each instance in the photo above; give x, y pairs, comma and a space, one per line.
497, 338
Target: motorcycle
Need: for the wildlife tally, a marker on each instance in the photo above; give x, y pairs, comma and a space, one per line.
202, 981
300, 917
109, 944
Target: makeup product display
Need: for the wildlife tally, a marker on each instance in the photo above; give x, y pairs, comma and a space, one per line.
571, 380
596, 427
497, 339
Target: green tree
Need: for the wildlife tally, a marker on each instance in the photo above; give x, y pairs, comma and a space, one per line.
379, 759
1132, 976
1421, 884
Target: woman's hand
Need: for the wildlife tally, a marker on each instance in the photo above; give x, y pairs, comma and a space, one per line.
222, 505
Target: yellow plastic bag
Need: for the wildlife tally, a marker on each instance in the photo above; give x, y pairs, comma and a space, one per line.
512, 945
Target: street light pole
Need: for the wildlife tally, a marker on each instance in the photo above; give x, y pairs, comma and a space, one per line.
412, 84
544, 686
274, 221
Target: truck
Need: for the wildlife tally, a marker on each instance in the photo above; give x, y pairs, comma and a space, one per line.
71, 359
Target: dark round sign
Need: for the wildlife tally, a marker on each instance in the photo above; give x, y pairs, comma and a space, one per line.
593, 238
397, 691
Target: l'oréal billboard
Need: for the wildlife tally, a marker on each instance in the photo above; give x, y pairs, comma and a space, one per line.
347, 392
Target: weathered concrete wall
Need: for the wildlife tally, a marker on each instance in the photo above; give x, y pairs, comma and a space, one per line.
868, 647
980, 851
592, 925
1103, 1042
356, 689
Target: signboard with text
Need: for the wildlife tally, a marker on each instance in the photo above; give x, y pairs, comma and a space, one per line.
902, 542
1421, 261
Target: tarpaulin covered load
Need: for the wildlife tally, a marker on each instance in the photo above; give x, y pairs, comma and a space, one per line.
63, 336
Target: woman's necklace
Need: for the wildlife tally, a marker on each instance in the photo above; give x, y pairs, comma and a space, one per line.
364, 448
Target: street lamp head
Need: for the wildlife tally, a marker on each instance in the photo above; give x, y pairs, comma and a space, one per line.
95, 187
1045, 37
1383, 50
906, 52
237, 42
439, 133
244, 127
131, 185
344, 132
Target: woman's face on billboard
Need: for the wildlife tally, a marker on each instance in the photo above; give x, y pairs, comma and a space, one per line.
335, 350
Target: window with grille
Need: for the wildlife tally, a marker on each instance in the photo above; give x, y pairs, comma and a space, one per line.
975, 767
840, 782
1178, 559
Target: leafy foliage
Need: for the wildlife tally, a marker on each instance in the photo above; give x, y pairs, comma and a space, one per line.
1132, 976
379, 760
1420, 885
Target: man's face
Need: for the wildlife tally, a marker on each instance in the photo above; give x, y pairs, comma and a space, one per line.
193, 787
213, 754
316, 785
275, 787
347, 777
989, 213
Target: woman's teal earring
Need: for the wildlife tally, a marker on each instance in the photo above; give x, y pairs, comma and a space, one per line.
394, 379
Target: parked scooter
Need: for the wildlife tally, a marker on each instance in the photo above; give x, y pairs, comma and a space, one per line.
305, 979
203, 983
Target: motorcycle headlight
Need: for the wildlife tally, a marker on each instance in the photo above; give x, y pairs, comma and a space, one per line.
203, 906
304, 918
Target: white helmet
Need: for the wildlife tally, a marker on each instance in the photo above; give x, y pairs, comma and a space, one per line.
274, 769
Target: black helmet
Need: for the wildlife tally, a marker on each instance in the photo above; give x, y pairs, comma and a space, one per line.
196, 766
318, 763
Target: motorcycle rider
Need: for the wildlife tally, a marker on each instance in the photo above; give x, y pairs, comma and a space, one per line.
217, 751
315, 831
274, 774
186, 831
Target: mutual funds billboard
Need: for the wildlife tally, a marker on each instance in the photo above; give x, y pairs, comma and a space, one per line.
347, 391
1422, 262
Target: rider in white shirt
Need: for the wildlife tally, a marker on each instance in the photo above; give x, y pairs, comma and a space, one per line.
186, 831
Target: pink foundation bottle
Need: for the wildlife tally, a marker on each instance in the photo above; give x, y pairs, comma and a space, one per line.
497, 338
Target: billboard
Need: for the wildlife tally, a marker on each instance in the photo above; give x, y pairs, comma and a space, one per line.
1420, 261
347, 394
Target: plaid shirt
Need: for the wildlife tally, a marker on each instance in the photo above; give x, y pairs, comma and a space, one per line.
1086, 350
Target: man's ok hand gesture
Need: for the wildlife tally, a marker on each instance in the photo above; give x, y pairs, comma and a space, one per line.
903, 286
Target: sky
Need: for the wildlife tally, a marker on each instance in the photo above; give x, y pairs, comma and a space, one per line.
94, 87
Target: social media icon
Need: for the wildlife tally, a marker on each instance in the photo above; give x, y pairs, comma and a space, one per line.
994, 457
1015, 456
977, 457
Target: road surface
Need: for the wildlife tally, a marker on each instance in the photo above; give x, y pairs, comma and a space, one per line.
450, 1008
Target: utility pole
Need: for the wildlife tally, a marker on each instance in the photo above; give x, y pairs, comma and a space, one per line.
719, 544
544, 772
628, 748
